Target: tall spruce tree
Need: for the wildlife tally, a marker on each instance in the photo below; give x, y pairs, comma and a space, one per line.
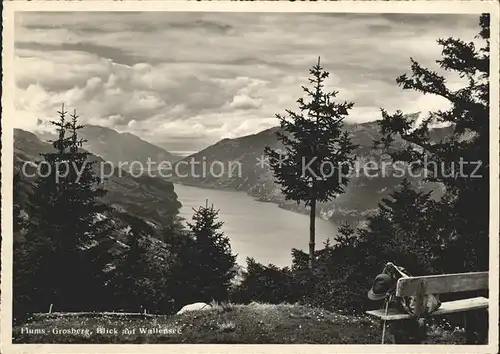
67, 225
460, 161
403, 232
212, 262
315, 166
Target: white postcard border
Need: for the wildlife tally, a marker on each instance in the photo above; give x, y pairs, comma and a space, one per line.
8, 89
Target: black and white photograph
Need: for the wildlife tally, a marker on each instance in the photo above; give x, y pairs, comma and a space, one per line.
250, 177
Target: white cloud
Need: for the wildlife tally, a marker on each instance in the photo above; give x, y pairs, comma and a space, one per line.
186, 80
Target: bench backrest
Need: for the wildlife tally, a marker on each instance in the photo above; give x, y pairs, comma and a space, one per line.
441, 284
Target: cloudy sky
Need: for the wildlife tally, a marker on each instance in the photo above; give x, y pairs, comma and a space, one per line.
187, 80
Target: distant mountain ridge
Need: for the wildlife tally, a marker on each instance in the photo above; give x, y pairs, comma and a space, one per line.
119, 148
152, 199
360, 199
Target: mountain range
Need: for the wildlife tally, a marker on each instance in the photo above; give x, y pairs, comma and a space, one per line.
244, 170
151, 199
118, 148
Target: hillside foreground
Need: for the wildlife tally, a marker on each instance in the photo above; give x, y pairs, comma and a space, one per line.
255, 323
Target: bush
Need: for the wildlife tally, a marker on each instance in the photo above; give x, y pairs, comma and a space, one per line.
268, 284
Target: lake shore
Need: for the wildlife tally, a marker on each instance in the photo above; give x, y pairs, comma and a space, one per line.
335, 218
256, 229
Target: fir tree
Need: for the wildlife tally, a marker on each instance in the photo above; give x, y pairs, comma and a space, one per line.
212, 261
346, 236
268, 284
318, 157
461, 161
66, 225
402, 231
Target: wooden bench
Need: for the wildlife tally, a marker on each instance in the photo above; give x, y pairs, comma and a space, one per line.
442, 284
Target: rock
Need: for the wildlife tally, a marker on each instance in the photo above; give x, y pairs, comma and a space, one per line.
197, 306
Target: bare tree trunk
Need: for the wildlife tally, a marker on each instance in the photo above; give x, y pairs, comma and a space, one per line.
312, 234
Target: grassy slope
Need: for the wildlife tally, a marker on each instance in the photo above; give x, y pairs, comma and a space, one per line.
254, 323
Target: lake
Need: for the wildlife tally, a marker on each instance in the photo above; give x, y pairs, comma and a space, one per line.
256, 229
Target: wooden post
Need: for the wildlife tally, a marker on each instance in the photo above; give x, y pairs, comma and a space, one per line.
420, 298
420, 309
50, 308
